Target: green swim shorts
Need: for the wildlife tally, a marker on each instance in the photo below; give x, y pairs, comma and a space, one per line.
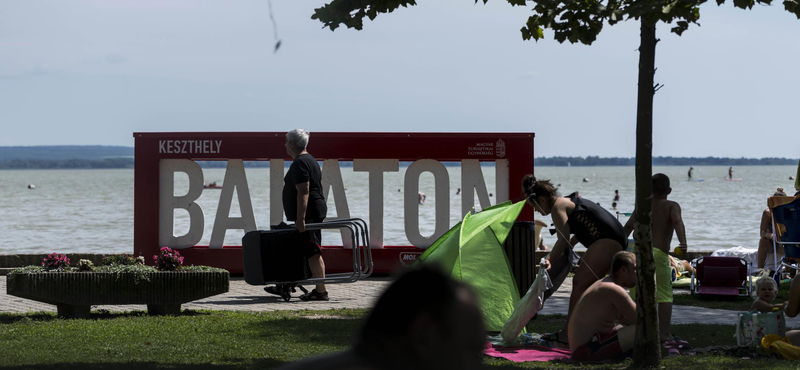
663, 277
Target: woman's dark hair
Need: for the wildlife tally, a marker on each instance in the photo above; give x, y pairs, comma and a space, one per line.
536, 188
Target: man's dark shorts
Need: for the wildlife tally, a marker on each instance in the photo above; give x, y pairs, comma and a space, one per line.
310, 241
601, 347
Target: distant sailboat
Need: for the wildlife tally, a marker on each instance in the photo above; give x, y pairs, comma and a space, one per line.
569, 164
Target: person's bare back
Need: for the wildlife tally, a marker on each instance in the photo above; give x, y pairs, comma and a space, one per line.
666, 218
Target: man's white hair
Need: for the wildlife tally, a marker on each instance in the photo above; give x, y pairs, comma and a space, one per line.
297, 139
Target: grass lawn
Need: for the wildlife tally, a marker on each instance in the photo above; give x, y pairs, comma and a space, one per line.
726, 303
243, 340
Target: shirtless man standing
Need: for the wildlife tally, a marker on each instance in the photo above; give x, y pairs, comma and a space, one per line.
592, 333
666, 221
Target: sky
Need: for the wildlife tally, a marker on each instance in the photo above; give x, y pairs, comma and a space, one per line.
94, 72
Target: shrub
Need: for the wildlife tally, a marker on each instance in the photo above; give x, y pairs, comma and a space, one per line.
31, 269
85, 265
55, 261
168, 259
123, 260
139, 272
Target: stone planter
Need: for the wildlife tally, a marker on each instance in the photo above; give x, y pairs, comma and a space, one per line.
75, 292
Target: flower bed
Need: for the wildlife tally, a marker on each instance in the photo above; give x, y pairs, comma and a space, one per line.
75, 290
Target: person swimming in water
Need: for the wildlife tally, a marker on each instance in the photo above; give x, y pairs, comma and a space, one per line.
616, 195
421, 197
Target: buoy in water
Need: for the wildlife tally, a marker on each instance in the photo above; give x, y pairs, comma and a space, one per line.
31, 186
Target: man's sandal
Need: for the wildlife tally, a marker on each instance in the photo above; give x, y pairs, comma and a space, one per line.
684, 346
672, 348
276, 290
314, 295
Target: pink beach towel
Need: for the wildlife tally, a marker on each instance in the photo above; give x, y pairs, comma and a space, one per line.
527, 353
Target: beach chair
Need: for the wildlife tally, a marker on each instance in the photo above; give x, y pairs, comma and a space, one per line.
721, 276
786, 232
269, 257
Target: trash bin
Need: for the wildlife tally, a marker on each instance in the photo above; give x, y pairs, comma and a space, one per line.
521, 253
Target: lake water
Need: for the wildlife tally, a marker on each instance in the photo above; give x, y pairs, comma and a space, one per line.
91, 211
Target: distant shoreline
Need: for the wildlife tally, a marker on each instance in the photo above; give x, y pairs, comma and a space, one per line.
107, 157
128, 163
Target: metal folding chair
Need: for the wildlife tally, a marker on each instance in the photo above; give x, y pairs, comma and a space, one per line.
253, 255
721, 276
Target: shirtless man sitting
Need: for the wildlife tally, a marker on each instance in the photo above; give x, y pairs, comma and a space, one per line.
593, 335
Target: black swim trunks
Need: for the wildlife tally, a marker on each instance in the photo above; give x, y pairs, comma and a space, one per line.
590, 223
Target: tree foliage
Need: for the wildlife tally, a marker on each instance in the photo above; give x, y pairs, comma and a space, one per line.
351, 13
576, 21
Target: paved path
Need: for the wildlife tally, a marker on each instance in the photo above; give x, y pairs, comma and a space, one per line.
362, 294
241, 297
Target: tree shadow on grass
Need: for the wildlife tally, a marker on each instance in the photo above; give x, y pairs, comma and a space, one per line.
101, 314
712, 301
322, 331
260, 364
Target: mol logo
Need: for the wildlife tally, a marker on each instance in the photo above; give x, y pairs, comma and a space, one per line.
408, 258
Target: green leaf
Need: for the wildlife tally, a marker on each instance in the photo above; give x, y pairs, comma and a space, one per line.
526, 35
792, 6
680, 27
668, 8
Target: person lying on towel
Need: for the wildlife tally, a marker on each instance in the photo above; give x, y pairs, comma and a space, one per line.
592, 333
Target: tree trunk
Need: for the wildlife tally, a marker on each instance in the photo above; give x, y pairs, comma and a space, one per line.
646, 348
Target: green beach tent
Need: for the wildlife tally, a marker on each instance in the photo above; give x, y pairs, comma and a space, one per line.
473, 252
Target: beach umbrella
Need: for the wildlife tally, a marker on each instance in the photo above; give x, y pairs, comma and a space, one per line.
472, 251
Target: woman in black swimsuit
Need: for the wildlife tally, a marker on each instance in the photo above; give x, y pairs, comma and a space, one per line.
591, 225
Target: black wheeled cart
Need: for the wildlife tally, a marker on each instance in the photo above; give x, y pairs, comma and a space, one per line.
274, 257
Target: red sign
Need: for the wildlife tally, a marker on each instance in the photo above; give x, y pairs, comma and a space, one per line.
512, 152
